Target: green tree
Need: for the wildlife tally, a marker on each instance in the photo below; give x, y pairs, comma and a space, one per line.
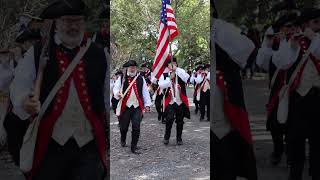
134, 29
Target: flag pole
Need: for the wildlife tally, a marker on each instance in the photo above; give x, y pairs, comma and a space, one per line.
171, 55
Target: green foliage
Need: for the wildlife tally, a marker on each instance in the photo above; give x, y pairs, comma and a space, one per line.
254, 12
10, 11
134, 29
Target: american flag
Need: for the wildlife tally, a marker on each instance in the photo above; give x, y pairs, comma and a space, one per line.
167, 32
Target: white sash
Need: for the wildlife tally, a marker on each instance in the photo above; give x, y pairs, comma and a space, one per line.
118, 110
283, 107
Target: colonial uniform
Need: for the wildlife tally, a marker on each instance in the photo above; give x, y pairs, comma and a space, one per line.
132, 106
13, 125
304, 93
158, 94
203, 82
276, 82
176, 104
118, 82
71, 139
196, 88
146, 74
232, 140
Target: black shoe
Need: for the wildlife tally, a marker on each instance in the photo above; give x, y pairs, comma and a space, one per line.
135, 150
275, 158
196, 111
159, 117
201, 119
179, 142
123, 144
163, 121
165, 141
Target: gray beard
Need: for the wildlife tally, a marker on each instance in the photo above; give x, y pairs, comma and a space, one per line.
70, 41
132, 74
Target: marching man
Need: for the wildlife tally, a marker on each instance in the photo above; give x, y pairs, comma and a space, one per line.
134, 101
196, 87
285, 26
231, 135
28, 35
68, 141
158, 97
176, 104
203, 93
303, 93
146, 73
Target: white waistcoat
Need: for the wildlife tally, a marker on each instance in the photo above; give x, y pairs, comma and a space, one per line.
132, 100
73, 122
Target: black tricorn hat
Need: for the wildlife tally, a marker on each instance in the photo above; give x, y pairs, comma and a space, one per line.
285, 5
174, 59
144, 65
118, 73
199, 67
131, 63
308, 14
291, 18
28, 35
125, 65
63, 8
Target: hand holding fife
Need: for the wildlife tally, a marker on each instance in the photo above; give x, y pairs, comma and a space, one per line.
32, 105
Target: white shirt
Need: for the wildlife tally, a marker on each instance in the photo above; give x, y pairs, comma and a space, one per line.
310, 76
145, 93
265, 53
229, 38
166, 83
116, 87
192, 78
23, 82
206, 84
285, 56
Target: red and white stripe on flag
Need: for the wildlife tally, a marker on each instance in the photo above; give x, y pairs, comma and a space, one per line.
167, 32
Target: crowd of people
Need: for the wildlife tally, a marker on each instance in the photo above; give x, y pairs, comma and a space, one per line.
290, 55
134, 92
